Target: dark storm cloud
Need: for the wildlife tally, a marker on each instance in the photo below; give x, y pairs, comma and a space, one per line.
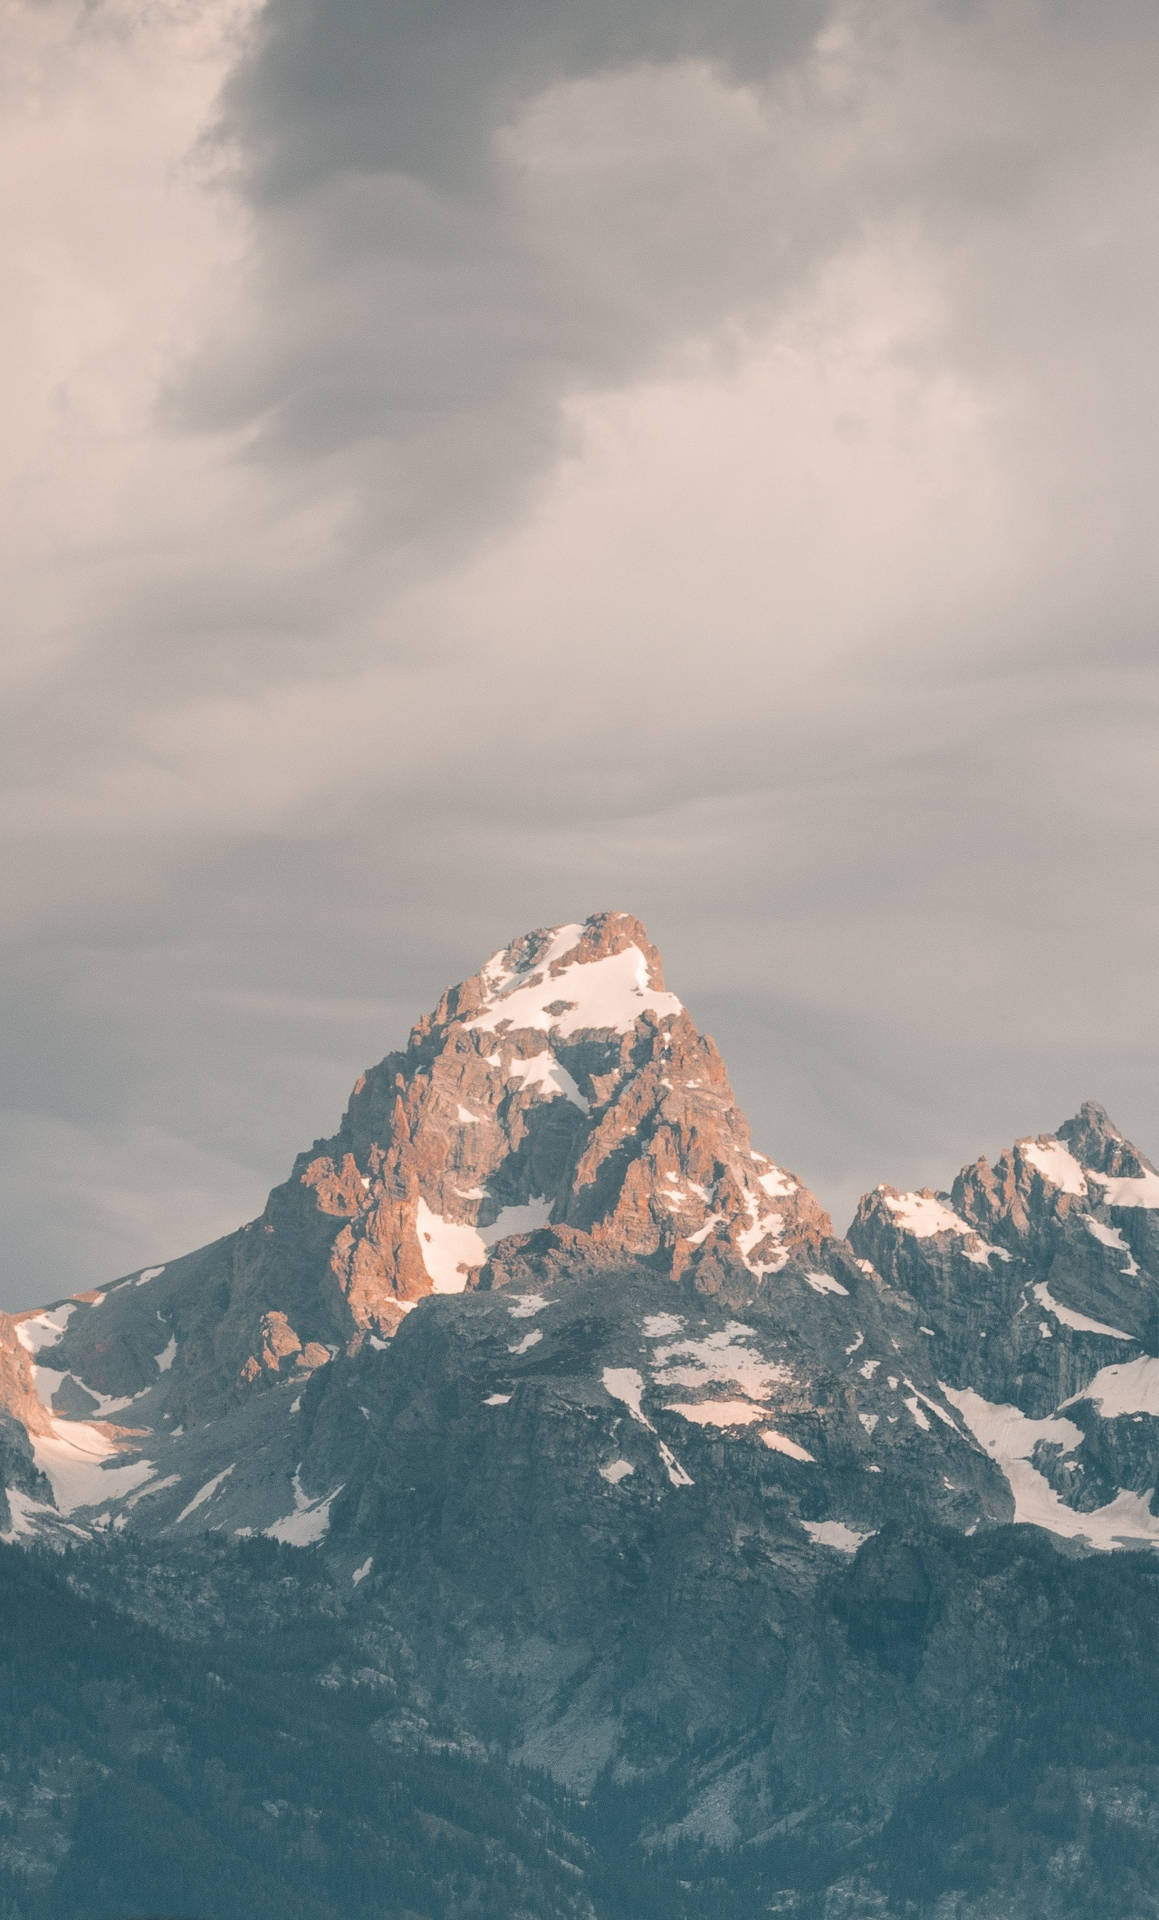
414, 316
426, 287
339, 87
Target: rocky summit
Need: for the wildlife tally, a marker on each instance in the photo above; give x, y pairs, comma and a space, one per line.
541, 1445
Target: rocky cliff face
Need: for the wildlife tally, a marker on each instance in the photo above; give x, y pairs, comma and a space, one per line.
559, 1119
558, 1111
617, 1463
1039, 1280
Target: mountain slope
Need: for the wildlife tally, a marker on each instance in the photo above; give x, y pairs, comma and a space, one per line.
604, 1459
559, 1119
558, 1111
146, 1773
1039, 1278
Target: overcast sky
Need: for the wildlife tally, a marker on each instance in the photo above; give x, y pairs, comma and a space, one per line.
468, 463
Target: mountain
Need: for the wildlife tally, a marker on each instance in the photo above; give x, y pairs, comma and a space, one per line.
1039, 1279
615, 1476
557, 1118
557, 1112
152, 1772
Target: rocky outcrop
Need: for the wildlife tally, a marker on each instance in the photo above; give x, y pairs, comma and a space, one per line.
614, 1463
626, 1484
1038, 1278
557, 1111
558, 1122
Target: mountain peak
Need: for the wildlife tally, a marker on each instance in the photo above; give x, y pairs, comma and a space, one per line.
559, 1128
559, 1110
599, 974
1082, 1187
557, 1115
1098, 1145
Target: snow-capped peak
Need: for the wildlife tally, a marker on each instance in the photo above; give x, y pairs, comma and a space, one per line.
599, 976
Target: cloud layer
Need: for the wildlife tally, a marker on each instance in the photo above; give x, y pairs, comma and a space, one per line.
472, 466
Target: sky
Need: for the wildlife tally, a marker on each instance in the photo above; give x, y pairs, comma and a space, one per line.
472, 463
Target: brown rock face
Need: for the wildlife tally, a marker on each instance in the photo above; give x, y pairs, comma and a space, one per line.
18, 1395
1034, 1274
559, 1107
280, 1353
557, 1111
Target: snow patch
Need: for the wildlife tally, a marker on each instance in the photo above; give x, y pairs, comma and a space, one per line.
1140, 1191
167, 1354
608, 994
1079, 1322
1009, 1437
73, 1458
626, 1385
450, 1249
361, 1572
205, 1493
658, 1326
615, 1471
25, 1513
760, 1228
719, 1413
1130, 1387
466, 1118
309, 1521
1055, 1163
924, 1215
528, 1341
825, 1283
527, 1304
720, 1359
698, 1238
147, 1492
107, 1404
675, 1471
527, 1217
938, 1412
47, 1382
496, 1399
1112, 1237
150, 1273
502, 977
42, 1330
780, 1443
834, 1533
543, 1070
453, 1248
